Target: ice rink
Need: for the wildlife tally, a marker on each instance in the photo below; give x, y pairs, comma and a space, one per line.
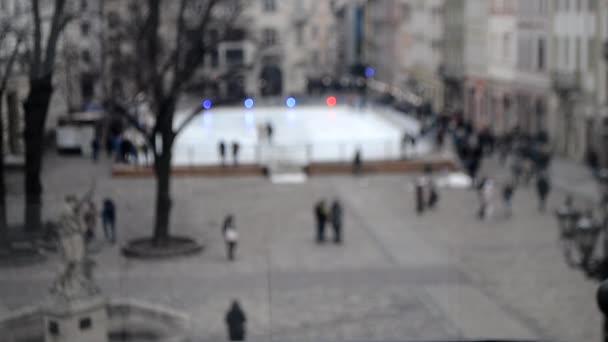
300, 135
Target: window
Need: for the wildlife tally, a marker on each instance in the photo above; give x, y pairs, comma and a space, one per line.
506, 42
578, 48
541, 54
215, 59
566, 5
314, 31
85, 323
3, 5
579, 5
84, 5
566, 52
235, 57
269, 5
592, 5
592, 51
113, 19
86, 56
84, 28
299, 34
315, 57
269, 37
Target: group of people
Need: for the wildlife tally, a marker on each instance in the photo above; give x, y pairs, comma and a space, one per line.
236, 147
328, 216
108, 219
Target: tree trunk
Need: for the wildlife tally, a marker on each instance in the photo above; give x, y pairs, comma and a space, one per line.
3, 223
162, 170
36, 109
162, 167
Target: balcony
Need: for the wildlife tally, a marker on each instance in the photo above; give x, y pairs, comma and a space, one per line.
566, 82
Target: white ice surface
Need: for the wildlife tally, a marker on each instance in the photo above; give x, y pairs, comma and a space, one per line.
301, 135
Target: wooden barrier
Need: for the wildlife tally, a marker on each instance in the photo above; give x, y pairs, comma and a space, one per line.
211, 170
398, 166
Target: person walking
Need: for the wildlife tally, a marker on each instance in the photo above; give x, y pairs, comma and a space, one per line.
231, 236
236, 321
357, 163
221, 147
507, 197
542, 189
108, 216
321, 219
235, 152
95, 147
269, 132
433, 194
336, 220
419, 193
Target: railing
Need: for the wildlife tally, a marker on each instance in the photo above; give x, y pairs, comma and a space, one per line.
298, 154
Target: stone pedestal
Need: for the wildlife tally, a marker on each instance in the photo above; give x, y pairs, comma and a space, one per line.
76, 320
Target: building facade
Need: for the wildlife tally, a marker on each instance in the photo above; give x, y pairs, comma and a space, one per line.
475, 56
453, 62
532, 82
576, 58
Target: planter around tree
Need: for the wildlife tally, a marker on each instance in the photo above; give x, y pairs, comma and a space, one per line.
20, 255
144, 248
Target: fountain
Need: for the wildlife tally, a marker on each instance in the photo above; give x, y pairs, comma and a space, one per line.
78, 311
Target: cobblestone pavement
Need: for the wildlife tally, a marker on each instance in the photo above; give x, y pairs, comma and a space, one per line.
397, 276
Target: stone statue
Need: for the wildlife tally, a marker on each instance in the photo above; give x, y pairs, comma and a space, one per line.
74, 281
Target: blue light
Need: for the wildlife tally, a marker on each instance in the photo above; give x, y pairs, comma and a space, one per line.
207, 104
291, 102
207, 119
370, 72
249, 119
249, 103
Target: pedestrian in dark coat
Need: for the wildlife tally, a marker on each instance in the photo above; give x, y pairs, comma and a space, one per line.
95, 147
221, 147
108, 217
420, 184
433, 194
542, 188
321, 218
269, 132
235, 152
357, 163
236, 322
507, 196
336, 220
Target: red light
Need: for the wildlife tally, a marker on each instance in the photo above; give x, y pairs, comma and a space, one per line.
331, 101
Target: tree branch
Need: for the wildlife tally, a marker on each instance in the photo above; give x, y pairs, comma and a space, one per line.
36, 60
58, 23
122, 111
5, 28
9, 66
195, 112
194, 55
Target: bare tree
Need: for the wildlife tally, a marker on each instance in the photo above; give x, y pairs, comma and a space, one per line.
7, 32
164, 64
41, 63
